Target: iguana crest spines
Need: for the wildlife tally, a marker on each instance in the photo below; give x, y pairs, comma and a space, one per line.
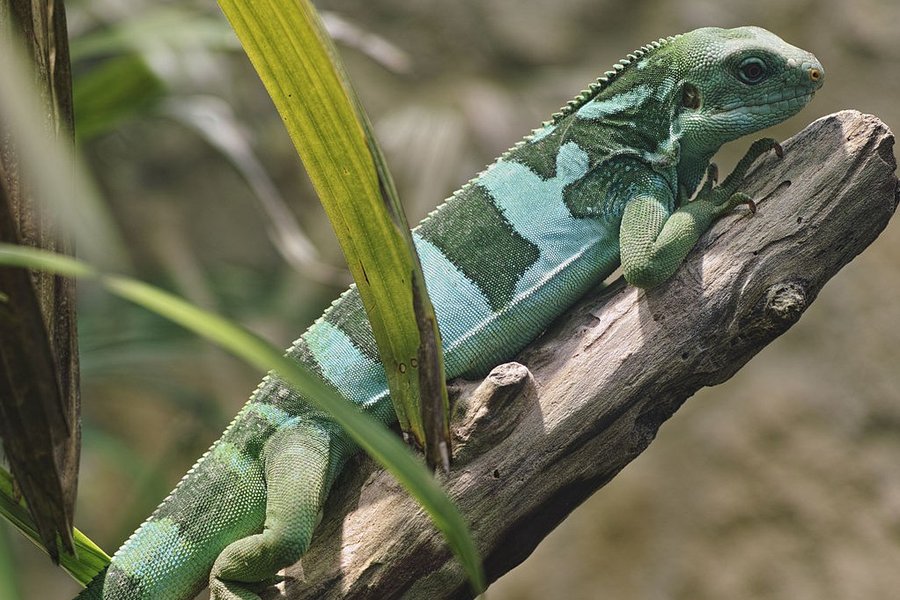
602, 82
550, 219
572, 106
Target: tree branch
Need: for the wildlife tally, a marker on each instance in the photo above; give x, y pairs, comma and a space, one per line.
532, 446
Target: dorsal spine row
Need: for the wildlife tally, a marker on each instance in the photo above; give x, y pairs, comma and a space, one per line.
604, 80
573, 105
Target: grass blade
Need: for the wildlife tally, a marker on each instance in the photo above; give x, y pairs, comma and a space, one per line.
372, 437
296, 62
89, 558
9, 574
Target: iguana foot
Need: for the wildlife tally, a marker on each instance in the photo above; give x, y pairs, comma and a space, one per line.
739, 198
757, 149
725, 196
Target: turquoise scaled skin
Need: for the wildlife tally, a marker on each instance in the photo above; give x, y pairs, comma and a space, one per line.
612, 178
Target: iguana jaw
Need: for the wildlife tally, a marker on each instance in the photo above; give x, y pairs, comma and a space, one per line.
789, 103
797, 88
739, 118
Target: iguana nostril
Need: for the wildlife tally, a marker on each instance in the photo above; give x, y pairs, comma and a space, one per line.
815, 74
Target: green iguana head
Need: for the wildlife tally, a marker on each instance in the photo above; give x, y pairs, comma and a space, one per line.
734, 82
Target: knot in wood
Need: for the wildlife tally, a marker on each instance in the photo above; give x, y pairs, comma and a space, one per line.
491, 411
508, 374
785, 302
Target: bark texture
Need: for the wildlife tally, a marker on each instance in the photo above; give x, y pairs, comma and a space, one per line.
39, 369
533, 443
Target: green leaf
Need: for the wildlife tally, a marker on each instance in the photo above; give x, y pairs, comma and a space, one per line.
167, 28
296, 62
89, 558
116, 89
371, 436
9, 573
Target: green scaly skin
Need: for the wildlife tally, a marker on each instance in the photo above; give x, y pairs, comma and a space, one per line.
609, 179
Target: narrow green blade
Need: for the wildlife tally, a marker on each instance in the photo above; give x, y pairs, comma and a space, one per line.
112, 91
89, 558
375, 439
9, 573
296, 62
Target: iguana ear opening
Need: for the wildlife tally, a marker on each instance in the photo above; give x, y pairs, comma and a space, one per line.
690, 96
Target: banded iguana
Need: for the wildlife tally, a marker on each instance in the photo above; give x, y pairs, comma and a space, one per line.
609, 178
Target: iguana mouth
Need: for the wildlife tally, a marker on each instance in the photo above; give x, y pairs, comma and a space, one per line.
789, 98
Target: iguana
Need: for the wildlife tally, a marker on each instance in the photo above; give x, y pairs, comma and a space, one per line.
608, 180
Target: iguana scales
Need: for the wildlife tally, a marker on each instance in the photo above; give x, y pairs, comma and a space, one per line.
610, 179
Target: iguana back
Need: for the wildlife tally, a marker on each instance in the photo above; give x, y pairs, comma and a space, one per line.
608, 178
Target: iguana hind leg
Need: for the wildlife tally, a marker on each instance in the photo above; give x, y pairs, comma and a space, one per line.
296, 468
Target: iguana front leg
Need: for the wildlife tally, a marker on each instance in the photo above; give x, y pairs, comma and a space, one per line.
654, 240
297, 467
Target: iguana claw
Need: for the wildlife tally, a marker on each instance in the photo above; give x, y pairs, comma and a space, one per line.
726, 194
779, 150
741, 198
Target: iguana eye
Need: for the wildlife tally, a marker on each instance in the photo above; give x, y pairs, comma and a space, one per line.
752, 70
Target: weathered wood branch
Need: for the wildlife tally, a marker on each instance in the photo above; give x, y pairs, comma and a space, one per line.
532, 446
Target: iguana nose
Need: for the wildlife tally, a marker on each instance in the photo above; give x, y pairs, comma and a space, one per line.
816, 74
812, 67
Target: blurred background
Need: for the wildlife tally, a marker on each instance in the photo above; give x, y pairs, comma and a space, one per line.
782, 483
